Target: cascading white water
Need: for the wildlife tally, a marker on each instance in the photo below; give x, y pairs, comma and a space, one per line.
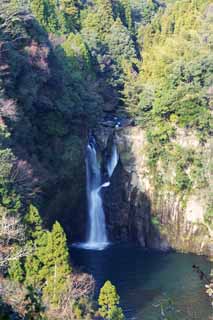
97, 235
111, 165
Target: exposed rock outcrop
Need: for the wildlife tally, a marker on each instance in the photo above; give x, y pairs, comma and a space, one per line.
138, 211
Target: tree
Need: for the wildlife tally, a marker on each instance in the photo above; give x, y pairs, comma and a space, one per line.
120, 43
37, 239
39, 10
16, 271
126, 14
34, 263
48, 14
108, 301
121, 52
33, 223
70, 12
56, 269
34, 307
103, 17
52, 17
47, 268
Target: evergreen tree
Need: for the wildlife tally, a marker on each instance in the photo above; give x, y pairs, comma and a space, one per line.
71, 13
56, 269
34, 263
47, 14
52, 17
16, 272
39, 10
106, 15
37, 239
127, 14
33, 223
102, 19
108, 301
33, 229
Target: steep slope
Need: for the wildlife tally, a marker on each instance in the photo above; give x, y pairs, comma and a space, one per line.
47, 105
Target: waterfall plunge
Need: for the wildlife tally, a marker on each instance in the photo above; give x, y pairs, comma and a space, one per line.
97, 234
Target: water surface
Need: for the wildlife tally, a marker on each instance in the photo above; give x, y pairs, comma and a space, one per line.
147, 279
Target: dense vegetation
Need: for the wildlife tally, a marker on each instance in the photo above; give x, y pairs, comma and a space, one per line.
175, 97
63, 65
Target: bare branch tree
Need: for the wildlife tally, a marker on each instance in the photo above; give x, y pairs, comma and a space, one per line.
13, 255
83, 284
12, 233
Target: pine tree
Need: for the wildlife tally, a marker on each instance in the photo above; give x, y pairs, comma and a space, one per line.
16, 272
104, 17
56, 268
47, 14
52, 17
34, 263
37, 240
108, 301
128, 14
39, 10
48, 266
71, 13
33, 223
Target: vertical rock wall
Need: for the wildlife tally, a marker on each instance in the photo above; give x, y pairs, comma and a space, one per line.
136, 211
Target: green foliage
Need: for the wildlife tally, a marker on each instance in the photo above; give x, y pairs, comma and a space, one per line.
34, 262
54, 124
173, 90
123, 10
108, 301
70, 12
55, 17
47, 267
99, 20
38, 8
155, 221
34, 306
56, 268
8, 193
37, 238
16, 272
83, 309
209, 215
33, 223
177, 69
120, 43
77, 53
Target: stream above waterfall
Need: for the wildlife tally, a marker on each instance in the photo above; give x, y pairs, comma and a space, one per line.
145, 279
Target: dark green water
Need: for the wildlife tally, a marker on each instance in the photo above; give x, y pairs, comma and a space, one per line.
146, 279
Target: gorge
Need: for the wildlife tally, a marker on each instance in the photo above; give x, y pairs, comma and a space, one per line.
133, 208
106, 159
145, 288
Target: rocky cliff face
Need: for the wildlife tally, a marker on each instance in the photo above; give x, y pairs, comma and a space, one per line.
139, 211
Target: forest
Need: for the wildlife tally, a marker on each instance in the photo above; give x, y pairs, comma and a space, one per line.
65, 67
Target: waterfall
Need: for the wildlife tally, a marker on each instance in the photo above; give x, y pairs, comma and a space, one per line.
97, 235
112, 163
